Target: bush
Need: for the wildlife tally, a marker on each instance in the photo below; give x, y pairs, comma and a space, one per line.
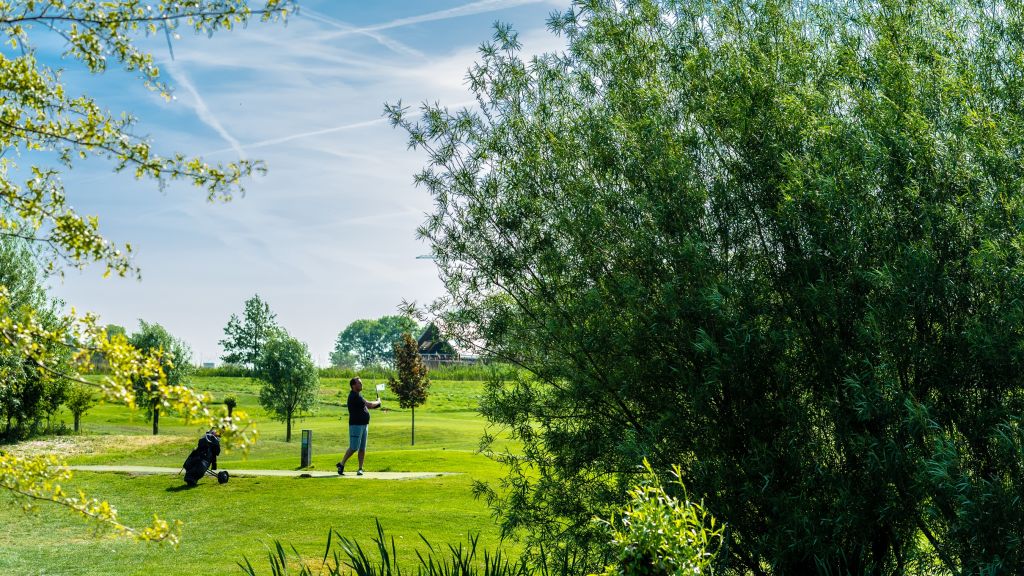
661, 534
224, 371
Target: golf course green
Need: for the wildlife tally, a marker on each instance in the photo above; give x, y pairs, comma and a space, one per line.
222, 524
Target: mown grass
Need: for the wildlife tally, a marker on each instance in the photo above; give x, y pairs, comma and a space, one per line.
224, 523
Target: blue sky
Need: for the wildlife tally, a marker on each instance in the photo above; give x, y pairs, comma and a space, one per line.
328, 236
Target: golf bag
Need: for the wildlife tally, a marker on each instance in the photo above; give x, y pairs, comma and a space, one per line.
202, 459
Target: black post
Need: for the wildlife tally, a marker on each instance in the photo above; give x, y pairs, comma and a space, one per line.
307, 448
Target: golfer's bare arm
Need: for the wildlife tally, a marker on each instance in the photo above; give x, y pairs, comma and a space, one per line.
371, 405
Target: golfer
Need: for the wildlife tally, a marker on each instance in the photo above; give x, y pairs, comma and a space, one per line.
358, 423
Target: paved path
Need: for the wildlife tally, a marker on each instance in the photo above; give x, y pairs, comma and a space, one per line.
349, 474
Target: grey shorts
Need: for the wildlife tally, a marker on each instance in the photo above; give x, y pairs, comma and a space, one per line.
357, 436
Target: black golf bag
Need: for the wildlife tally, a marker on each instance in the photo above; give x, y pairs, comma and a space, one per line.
202, 459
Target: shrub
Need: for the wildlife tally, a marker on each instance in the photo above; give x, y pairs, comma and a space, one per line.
658, 533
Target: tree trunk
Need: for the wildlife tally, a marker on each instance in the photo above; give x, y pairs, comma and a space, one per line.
78, 418
156, 420
288, 433
413, 425
230, 409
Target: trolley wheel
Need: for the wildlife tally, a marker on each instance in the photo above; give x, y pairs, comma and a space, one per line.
223, 477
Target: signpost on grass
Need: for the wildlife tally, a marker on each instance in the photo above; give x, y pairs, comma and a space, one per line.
307, 448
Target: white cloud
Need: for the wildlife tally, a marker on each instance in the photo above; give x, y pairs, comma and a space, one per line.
329, 235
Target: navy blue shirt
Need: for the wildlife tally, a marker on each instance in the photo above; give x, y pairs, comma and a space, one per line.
357, 412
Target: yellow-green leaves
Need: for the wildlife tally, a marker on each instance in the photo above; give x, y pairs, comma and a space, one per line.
658, 533
42, 117
37, 113
38, 479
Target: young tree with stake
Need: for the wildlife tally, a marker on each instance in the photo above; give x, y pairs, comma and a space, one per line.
290, 379
412, 383
175, 362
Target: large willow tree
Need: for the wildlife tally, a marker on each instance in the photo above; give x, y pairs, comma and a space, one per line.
778, 243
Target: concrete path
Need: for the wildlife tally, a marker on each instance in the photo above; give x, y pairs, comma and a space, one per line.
349, 474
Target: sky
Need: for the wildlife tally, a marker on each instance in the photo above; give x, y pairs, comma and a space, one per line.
328, 236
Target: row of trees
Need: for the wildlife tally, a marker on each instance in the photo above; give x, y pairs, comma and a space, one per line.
371, 342
365, 342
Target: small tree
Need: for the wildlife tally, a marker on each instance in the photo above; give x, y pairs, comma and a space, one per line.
176, 363
412, 383
245, 338
290, 379
80, 399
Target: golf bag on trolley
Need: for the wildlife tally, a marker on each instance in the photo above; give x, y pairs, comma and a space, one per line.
202, 459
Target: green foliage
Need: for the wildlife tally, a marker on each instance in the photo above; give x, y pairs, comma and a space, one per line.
175, 364
227, 370
658, 533
175, 354
776, 242
230, 402
478, 372
42, 115
290, 379
99, 364
412, 382
245, 338
28, 394
369, 342
79, 400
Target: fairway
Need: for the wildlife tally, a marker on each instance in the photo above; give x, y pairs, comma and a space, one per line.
223, 523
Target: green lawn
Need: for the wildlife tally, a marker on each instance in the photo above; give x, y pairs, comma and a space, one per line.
223, 523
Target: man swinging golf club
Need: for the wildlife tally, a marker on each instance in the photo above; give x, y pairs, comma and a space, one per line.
358, 424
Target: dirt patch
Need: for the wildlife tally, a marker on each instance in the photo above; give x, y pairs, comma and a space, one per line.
68, 446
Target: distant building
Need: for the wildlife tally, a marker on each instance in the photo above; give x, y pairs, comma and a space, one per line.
208, 364
436, 351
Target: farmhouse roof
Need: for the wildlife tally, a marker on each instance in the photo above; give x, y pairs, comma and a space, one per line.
431, 342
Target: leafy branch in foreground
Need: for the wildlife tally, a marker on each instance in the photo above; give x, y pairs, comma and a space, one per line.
39, 114
658, 533
40, 117
37, 479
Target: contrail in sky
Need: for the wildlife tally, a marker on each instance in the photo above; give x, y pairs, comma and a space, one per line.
478, 7
202, 110
392, 45
290, 137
